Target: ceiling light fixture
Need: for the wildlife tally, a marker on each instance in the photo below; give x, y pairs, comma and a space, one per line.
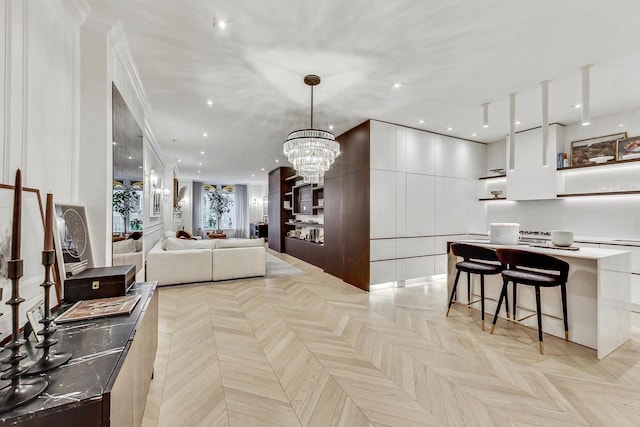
586, 95
621, 125
421, 121
277, 161
485, 115
205, 134
220, 23
397, 85
330, 127
202, 152
209, 102
449, 128
473, 134
311, 151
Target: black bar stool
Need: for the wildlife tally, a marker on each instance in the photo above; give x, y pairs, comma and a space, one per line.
476, 260
557, 276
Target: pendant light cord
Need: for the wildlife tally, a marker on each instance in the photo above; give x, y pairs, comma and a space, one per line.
311, 108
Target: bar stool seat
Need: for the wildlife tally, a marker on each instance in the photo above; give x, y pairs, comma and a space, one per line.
476, 260
520, 263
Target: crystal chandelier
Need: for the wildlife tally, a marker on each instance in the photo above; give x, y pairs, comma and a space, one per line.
311, 151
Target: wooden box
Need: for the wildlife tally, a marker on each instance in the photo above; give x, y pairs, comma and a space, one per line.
102, 282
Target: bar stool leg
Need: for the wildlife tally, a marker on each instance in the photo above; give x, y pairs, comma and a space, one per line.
563, 290
468, 290
482, 298
502, 296
453, 291
539, 315
515, 301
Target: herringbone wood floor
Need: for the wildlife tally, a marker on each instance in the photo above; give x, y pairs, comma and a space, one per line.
310, 350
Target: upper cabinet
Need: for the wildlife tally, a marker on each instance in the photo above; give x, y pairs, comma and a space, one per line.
528, 178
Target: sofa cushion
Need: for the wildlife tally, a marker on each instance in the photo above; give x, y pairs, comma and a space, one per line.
239, 243
124, 246
173, 243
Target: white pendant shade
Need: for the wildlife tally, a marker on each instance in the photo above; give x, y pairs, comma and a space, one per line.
485, 115
544, 92
512, 131
586, 95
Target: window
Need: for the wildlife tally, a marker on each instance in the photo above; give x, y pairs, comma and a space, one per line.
209, 216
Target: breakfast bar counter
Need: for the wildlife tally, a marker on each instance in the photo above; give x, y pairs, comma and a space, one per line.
598, 295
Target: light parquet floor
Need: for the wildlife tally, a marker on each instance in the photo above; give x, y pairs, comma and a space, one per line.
310, 350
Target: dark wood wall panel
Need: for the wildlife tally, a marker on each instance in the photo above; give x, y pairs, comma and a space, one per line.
277, 215
347, 225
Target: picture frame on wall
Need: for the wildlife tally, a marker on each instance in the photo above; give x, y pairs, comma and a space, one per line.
628, 148
156, 204
32, 243
600, 149
72, 240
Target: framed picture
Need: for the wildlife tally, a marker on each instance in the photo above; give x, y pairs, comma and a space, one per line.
156, 204
595, 150
31, 253
627, 149
72, 241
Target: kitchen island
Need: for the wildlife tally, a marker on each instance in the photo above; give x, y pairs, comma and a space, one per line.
598, 295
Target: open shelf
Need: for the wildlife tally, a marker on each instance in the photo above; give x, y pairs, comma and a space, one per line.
290, 193
305, 224
597, 165
305, 241
493, 176
490, 199
319, 187
317, 207
602, 193
292, 178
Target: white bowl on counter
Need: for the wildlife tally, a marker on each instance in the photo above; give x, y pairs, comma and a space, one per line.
562, 237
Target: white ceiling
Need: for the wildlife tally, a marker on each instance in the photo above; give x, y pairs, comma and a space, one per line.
451, 56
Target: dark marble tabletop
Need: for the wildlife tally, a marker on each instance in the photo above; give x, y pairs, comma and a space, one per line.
97, 345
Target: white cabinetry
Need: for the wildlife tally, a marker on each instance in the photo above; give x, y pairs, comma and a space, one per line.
528, 178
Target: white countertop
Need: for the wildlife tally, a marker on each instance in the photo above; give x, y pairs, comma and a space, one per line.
586, 253
586, 239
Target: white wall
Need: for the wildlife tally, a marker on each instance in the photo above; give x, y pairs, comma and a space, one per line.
423, 192
256, 202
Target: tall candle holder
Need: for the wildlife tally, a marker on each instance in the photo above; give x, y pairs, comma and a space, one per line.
50, 359
19, 392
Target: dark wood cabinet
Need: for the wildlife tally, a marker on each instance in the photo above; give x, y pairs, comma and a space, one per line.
280, 191
310, 252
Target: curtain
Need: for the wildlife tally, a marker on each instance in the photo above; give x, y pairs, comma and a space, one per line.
196, 213
242, 212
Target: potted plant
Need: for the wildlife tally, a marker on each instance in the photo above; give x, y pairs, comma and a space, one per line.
125, 201
219, 205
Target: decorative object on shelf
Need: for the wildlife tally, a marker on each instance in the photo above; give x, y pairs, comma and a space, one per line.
601, 159
496, 193
562, 161
49, 359
498, 171
627, 149
72, 239
585, 149
311, 151
18, 392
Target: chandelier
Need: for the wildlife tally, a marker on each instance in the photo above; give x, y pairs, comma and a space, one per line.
311, 151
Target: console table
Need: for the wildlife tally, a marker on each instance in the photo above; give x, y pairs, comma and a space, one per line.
107, 380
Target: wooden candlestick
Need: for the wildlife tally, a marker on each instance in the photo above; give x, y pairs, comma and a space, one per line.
19, 392
50, 359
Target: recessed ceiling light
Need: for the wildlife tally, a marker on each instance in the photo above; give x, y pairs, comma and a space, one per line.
277, 160
114, 143
517, 122
473, 134
205, 134
202, 152
198, 171
200, 164
586, 123
220, 23
130, 158
421, 121
621, 125
261, 169
139, 167
209, 102
179, 160
330, 127
449, 128
576, 106
397, 85
252, 175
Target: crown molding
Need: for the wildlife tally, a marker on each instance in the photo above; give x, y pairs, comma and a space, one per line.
122, 50
79, 9
153, 144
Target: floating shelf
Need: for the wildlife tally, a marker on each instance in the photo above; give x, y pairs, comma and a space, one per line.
320, 187
493, 176
603, 193
317, 207
305, 224
489, 199
596, 165
292, 177
290, 193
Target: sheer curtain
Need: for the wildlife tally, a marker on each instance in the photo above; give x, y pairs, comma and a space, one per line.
196, 213
242, 212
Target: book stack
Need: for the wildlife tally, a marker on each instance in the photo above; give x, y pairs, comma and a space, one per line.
74, 268
563, 161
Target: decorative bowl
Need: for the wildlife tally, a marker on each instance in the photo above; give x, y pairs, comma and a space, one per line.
496, 193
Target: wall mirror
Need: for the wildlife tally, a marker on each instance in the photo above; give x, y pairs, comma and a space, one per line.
127, 195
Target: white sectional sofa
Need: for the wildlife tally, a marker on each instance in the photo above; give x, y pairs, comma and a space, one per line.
173, 261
